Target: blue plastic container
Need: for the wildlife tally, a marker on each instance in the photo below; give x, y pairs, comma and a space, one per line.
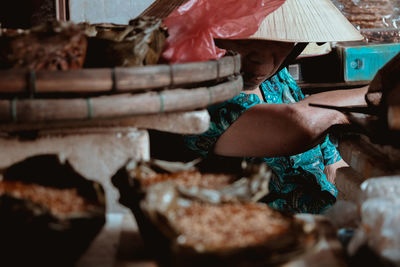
361, 62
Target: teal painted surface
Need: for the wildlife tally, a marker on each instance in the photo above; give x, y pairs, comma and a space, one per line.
362, 63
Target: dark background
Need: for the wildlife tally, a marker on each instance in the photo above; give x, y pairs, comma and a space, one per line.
26, 13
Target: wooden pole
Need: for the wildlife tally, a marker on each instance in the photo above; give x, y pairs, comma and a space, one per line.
61, 10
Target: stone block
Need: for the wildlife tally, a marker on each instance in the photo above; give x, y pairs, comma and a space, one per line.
95, 153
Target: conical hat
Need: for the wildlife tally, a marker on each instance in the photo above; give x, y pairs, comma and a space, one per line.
307, 21
294, 21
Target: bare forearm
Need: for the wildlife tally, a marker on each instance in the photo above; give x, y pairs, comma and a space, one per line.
269, 130
343, 97
265, 130
318, 120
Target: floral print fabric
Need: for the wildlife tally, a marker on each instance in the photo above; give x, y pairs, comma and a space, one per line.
299, 184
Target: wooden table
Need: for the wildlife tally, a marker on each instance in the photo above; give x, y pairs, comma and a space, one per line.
118, 245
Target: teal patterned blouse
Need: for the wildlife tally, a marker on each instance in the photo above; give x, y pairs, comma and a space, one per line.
300, 185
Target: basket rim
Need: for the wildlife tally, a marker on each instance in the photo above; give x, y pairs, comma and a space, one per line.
89, 81
30, 110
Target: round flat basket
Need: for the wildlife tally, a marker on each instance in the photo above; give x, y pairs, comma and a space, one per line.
97, 94
28, 110
115, 80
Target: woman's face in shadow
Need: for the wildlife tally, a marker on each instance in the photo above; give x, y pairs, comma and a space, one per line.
260, 59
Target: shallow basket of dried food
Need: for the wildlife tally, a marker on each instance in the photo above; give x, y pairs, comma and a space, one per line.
98, 81
137, 44
50, 46
45, 85
49, 213
188, 217
381, 35
65, 58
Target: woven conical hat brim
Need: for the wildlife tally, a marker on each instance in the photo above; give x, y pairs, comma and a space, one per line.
294, 21
307, 21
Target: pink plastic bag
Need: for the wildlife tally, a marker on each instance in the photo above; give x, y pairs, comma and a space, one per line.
194, 25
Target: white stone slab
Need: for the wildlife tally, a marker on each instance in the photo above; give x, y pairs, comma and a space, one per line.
95, 153
190, 122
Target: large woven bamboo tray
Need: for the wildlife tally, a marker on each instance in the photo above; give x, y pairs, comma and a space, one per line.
98, 94
115, 80
117, 106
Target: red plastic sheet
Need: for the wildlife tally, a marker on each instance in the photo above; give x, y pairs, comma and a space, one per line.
194, 25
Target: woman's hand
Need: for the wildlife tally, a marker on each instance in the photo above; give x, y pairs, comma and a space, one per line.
385, 87
330, 170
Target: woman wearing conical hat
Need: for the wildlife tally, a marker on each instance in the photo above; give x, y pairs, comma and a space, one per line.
270, 120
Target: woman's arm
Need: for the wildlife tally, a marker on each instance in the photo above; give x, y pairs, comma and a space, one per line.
270, 130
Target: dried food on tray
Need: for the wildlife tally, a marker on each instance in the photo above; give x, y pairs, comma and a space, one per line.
249, 184
188, 221
59, 202
382, 35
58, 45
49, 213
137, 44
370, 13
199, 233
205, 227
378, 20
50, 46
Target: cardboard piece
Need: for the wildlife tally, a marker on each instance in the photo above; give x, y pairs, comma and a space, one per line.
112, 11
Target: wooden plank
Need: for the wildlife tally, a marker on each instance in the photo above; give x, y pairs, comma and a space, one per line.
61, 10
313, 88
366, 159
